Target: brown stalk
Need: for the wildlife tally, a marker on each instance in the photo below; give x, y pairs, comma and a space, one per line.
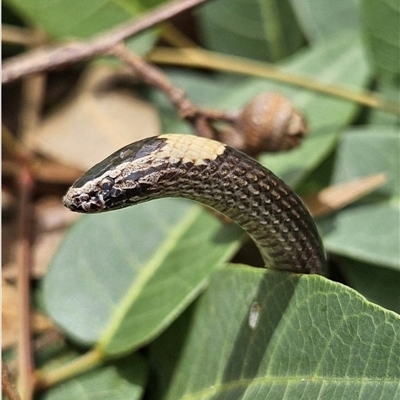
154, 76
24, 348
32, 99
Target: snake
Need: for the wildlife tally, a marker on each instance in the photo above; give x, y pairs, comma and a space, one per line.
217, 175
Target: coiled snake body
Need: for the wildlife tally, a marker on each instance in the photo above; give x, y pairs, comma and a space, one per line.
214, 174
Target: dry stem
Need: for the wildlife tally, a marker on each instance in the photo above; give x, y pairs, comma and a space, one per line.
70, 53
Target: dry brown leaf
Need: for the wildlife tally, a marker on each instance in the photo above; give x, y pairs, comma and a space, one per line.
338, 196
97, 121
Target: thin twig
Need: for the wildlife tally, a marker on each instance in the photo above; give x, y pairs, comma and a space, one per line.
50, 58
24, 347
199, 117
152, 75
33, 93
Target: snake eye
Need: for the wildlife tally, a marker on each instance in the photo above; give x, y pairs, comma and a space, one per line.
106, 184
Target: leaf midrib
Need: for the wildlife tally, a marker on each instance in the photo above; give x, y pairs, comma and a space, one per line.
148, 270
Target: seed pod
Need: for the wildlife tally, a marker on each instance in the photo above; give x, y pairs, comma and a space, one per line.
269, 122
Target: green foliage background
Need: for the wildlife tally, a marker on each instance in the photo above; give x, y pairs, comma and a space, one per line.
120, 288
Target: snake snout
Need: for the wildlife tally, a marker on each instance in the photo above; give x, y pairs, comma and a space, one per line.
83, 202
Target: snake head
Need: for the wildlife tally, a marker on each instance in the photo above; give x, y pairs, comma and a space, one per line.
126, 177
108, 193
139, 172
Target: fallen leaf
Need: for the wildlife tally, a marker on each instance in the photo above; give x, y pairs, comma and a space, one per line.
96, 121
335, 197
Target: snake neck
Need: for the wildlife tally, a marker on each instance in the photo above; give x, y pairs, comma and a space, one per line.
258, 201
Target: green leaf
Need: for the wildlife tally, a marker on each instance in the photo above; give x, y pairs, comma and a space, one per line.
122, 379
82, 19
321, 19
369, 230
120, 278
380, 20
275, 335
261, 29
380, 285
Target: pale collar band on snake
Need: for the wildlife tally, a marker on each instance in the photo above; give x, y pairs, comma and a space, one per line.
214, 174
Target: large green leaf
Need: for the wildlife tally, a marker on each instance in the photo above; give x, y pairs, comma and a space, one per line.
260, 29
259, 334
323, 18
81, 19
381, 26
120, 278
369, 230
117, 380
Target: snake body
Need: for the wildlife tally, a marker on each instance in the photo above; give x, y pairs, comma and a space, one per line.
212, 173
